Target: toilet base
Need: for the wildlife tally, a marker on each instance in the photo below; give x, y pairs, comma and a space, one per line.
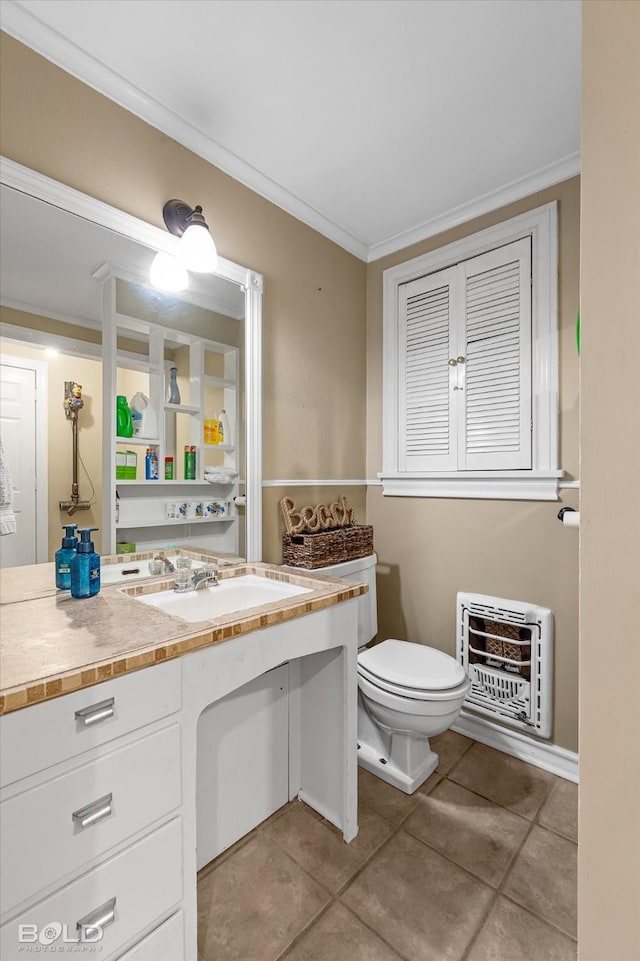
397, 757
372, 761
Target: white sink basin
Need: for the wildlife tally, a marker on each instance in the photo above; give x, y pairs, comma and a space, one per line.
233, 594
133, 571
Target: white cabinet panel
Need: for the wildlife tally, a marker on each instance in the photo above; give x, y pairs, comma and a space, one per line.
115, 797
166, 943
243, 762
145, 880
40, 736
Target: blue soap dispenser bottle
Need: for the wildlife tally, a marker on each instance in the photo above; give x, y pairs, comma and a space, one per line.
63, 557
85, 566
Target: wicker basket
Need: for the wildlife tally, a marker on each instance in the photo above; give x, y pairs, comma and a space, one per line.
313, 551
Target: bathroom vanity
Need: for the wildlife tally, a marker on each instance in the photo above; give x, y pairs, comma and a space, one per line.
137, 744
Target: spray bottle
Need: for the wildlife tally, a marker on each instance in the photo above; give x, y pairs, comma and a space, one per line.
85, 566
63, 557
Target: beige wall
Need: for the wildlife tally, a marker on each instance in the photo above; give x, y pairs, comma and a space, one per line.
89, 374
431, 548
314, 320
609, 831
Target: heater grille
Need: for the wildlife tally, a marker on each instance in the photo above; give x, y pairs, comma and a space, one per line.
506, 647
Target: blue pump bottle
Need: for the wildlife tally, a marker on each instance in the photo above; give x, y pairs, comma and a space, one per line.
85, 566
63, 557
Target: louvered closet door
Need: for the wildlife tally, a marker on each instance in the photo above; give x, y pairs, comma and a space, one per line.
427, 434
496, 427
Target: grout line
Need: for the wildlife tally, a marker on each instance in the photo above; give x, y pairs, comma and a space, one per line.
381, 937
539, 917
305, 930
498, 892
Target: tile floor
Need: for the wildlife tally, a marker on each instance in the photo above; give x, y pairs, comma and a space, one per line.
478, 865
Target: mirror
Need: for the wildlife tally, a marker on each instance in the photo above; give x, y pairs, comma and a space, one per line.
77, 308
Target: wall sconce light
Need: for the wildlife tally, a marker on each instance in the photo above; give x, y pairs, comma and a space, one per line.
196, 250
168, 273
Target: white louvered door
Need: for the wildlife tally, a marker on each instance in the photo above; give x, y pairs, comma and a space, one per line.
427, 434
495, 426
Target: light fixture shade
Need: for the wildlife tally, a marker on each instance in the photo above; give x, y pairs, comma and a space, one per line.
197, 249
168, 273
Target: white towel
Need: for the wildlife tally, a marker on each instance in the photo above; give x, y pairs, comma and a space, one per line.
7, 517
220, 475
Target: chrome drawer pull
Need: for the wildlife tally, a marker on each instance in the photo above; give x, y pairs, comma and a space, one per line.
98, 810
96, 712
92, 925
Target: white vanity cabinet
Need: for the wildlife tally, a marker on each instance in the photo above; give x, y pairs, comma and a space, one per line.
90, 806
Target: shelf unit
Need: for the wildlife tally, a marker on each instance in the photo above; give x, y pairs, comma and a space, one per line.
209, 381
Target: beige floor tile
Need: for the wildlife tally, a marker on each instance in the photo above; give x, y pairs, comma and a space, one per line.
424, 906
321, 851
544, 879
391, 803
512, 934
339, 936
560, 811
254, 904
506, 780
449, 747
474, 832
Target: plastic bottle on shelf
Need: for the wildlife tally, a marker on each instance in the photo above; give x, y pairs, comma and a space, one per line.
124, 422
173, 394
224, 433
145, 422
211, 428
189, 462
151, 464
168, 468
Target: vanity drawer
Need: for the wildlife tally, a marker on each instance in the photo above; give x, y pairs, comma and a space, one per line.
166, 943
53, 829
145, 881
40, 736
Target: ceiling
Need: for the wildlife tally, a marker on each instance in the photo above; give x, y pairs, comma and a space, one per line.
377, 122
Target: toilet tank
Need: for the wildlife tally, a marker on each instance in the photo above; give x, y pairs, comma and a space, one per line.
361, 570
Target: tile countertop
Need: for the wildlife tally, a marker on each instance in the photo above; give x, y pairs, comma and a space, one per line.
52, 645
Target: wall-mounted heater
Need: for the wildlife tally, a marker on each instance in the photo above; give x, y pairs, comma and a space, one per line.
506, 647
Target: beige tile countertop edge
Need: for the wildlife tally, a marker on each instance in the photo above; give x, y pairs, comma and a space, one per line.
180, 637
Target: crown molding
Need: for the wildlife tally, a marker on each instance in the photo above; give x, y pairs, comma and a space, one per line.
544, 177
28, 29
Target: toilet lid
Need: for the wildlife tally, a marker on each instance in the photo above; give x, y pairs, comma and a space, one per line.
412, 666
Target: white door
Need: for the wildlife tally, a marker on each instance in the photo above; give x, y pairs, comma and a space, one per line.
18, 432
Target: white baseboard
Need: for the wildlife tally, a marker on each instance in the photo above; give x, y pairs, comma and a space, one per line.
549, 757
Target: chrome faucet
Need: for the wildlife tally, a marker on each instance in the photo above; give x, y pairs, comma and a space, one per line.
186, 581
169, 568
208, 576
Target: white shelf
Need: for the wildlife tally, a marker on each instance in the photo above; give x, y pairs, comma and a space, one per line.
218, 381
180, 522
181, 409
226, 448
160, 482
136, 440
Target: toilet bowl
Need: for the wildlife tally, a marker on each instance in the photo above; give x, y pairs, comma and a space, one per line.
407, 693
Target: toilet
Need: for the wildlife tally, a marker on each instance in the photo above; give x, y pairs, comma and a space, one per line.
407, 693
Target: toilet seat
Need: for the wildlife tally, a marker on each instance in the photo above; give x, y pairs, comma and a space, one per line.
412, 693
412, 671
